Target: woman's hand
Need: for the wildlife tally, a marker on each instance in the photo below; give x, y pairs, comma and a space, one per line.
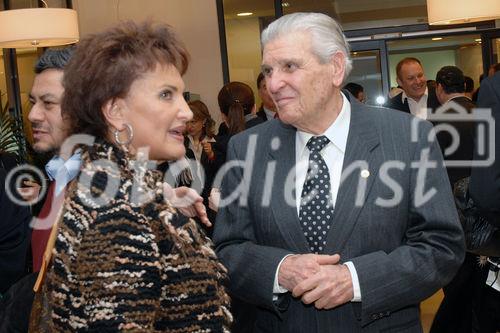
187, 201
207, 147
214, 199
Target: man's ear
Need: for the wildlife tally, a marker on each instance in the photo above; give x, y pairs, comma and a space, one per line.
113, 113
440, 92
399, 81
338, 61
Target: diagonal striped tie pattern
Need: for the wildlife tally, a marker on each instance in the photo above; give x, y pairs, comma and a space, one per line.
316, 209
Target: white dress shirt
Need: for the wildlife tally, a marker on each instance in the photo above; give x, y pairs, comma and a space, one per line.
63, 171
418, 109
333, 154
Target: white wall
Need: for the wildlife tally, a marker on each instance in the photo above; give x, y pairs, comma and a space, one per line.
244, 51
470, 61
194, 20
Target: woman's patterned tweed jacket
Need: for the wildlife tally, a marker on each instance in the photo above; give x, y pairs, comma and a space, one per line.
129, 267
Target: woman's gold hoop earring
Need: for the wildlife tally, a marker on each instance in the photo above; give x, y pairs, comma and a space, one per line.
130, 135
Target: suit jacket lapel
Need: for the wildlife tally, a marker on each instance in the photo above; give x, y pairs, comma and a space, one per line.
285, 214
360, 151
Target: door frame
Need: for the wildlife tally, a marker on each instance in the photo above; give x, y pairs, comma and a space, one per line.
376, 45
487, 48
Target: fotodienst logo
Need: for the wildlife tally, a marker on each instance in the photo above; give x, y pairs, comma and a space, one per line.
454, 124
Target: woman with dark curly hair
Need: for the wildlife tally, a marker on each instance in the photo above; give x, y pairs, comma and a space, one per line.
124, 259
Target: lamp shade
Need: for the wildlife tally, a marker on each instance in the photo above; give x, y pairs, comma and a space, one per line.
38, 27
442, 12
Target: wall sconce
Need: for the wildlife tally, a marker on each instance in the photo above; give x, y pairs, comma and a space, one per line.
38, 27
441, 12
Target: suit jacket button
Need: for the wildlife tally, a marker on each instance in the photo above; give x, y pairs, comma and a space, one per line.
374, 316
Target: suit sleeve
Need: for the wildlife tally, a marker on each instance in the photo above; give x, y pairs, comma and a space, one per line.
235, 241
430, 253
14, 236
485, 181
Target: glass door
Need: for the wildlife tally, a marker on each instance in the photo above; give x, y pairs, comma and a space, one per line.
436, 51
370, 70
491, 49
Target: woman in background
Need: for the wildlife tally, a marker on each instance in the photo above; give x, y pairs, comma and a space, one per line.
200, 131
237, 105
200, 138
124, 258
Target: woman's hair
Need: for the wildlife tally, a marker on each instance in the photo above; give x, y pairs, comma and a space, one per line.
200, 112
105, 65
236, 100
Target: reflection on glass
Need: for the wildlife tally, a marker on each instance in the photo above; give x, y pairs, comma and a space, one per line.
496, 50
463, 51
243, 38
366, 71
364, 14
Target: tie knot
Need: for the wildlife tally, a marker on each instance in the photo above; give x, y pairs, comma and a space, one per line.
317, 143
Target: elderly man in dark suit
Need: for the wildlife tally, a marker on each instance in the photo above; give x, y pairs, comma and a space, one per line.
371, 231
416, 97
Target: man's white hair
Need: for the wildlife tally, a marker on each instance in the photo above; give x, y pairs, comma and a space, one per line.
326, 33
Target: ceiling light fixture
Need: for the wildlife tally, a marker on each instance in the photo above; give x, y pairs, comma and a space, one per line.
38, 27
437, 38
442, 12
245, 14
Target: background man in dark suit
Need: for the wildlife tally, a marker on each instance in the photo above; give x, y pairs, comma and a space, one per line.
14, 228
360, 245
485, 191
267, 110
49, 133
416, 97
450, 91
485, 182
455, 312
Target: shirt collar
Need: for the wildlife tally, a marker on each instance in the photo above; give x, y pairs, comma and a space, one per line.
249, 116
457, 96
404, 96
269, 114
337, 132
62, 172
